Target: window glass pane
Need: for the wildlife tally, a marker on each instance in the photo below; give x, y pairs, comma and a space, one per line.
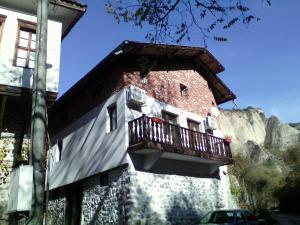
31, 64
112, 112
183, 90
23, 43
31, 55
32, 45
223, 217
192, 125
169, 118
21, 62
24, 34
33, 37
22, 53
239, 217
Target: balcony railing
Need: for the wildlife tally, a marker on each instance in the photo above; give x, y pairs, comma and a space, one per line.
169, 137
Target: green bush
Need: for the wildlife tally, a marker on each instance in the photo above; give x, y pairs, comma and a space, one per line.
291, 190
258, 182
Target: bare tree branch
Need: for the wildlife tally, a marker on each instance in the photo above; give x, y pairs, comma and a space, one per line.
171, 20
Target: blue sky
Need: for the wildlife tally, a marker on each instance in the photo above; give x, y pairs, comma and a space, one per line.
261, 61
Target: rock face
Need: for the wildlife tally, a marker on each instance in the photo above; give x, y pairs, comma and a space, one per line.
295, 125
253, 133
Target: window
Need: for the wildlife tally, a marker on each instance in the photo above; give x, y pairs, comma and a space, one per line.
240, 219
192, 136
25, 45
183, 90
222, 217
170, 129
193, 125
169, 118
2, 19
112, 114
60, 147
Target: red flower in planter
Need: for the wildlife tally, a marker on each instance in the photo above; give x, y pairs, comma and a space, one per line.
156, 120
228, 139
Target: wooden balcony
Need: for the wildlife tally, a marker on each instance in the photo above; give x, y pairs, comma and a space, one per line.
167, 148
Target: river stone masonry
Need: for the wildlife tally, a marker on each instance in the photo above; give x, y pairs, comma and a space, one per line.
126, 196
172, 199
104, 202
56, 211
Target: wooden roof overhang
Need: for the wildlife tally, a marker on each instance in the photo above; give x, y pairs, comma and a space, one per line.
206, 63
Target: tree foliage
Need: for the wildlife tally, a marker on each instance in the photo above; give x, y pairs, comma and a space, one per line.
7, 153
174, 19
258, 182
291, 190
4, 166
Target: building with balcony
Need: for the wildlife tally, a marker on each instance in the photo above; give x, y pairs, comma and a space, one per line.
136, 140
17, 59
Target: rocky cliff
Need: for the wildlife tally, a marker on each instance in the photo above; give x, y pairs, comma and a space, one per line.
265, 151
253, 134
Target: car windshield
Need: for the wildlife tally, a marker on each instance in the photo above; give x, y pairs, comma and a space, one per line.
219, 217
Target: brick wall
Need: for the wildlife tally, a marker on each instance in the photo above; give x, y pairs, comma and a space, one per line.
165, 86
163, 83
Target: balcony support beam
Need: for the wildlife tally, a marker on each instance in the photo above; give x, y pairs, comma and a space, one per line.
151, 159
213, 168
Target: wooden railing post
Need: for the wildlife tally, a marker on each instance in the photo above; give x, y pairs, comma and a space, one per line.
130, 132
207, 143
154, 130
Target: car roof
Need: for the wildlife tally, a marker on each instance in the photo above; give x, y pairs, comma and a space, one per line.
230, 210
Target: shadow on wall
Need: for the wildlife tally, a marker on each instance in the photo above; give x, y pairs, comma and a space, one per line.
8, 75
15, 76
142, 212
105, 204
22, 77
181, 210
3, 212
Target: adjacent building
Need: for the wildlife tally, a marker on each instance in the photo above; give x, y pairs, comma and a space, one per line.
137, 140
17, 58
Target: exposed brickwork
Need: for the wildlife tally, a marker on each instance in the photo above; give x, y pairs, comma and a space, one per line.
165, 86
163, 83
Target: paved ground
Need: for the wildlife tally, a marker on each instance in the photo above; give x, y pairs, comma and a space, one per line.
287, 219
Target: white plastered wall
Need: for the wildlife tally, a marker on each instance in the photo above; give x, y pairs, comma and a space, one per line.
21, 77
88, 147
154, 108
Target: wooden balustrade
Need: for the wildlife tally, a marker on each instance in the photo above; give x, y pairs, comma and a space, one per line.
147, 129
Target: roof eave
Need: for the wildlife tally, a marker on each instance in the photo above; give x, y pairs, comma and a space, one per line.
69, 4
81, 9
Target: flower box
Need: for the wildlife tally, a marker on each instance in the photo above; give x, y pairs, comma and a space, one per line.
228, 139
156, 120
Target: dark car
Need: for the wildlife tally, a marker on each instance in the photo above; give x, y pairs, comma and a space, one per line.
231, 217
